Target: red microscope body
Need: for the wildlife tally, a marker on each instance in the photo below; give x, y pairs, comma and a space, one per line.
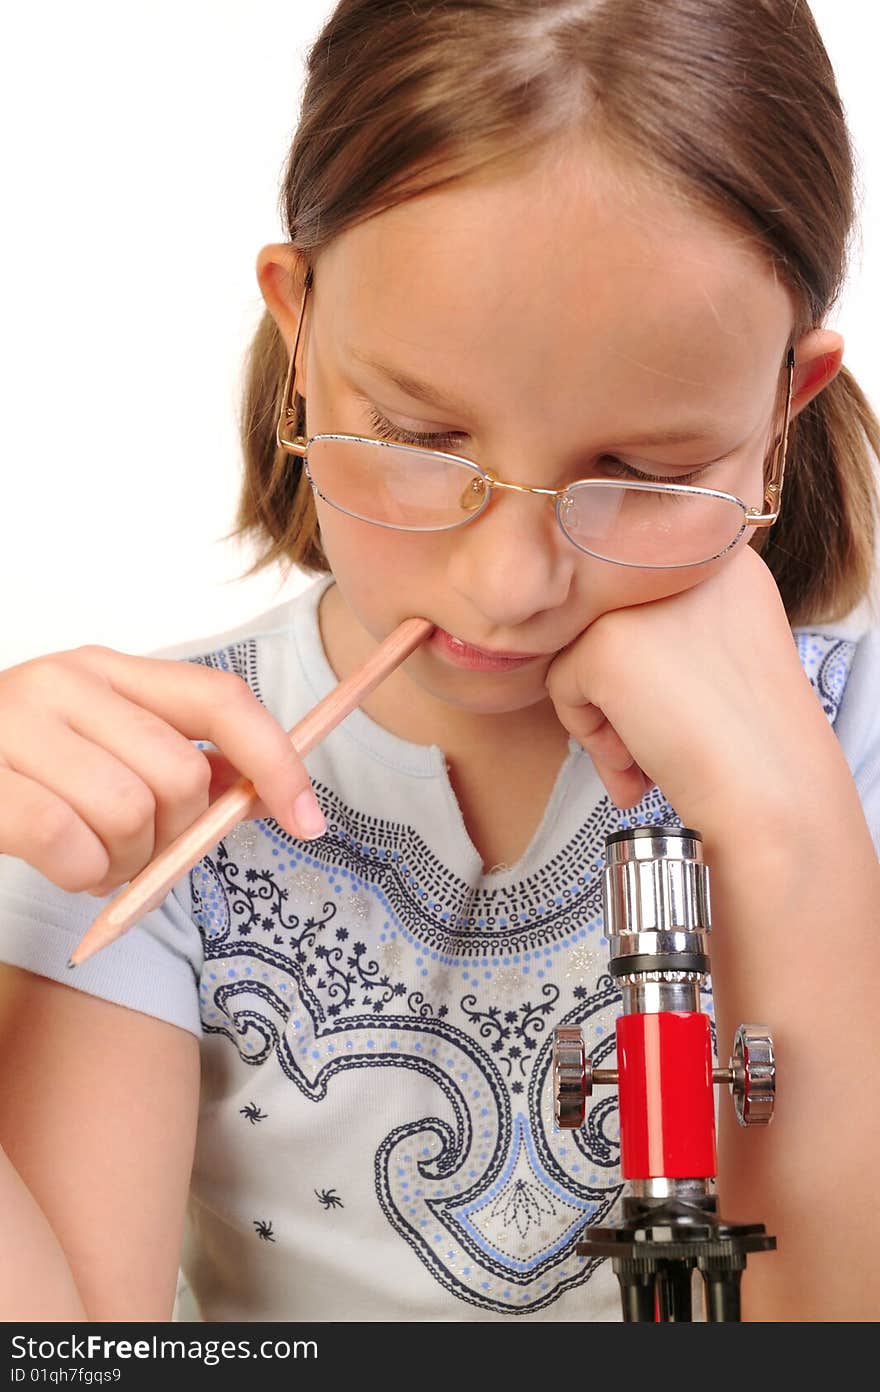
657, 916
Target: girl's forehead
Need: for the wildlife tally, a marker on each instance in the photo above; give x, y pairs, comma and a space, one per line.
546, 277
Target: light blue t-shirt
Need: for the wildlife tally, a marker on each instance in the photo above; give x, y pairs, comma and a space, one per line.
376, 1137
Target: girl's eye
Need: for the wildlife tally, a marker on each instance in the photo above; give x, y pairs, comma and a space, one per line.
626, 471
398, 433
387, 430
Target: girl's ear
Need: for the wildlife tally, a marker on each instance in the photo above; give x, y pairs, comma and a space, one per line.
818, 359
281, 275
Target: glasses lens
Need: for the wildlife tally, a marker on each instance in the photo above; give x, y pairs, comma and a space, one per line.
641, 526
395, 486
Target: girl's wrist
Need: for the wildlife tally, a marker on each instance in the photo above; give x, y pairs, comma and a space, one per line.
800, 782
799, 829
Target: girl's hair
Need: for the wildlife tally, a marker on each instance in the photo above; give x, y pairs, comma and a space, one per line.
730, 107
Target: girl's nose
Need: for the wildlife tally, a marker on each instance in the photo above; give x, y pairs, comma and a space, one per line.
513, 560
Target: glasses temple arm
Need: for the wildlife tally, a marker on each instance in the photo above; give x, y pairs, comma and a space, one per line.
773, 486
287, 415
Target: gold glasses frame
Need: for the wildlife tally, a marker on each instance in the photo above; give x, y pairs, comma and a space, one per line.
752, 517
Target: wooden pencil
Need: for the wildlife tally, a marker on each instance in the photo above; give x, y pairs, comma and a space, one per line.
148, 889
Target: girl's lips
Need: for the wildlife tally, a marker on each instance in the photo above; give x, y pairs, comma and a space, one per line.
463, 655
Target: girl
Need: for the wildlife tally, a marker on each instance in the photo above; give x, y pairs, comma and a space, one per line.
546, 250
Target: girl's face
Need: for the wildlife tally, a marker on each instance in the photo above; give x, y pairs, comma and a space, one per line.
567, 315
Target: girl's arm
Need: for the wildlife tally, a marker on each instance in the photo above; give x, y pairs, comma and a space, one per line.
36, 1282
706, 692
98, 1103
98, 1108
795, 909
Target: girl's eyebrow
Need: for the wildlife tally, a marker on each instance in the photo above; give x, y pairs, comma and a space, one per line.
694, 431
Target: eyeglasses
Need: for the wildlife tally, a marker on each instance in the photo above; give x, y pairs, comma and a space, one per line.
658, 526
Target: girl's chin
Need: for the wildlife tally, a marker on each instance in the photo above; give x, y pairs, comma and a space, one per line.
480, 692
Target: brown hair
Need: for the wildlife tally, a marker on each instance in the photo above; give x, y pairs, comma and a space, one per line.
731, 106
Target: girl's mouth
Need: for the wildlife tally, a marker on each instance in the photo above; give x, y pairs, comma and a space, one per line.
461, 654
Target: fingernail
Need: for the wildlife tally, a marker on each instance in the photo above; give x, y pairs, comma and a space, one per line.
308, 816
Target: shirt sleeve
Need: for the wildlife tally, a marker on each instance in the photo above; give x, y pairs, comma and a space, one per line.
154, 967
858, 727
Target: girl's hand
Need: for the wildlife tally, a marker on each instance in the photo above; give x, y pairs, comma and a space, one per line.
97, 772
702, 693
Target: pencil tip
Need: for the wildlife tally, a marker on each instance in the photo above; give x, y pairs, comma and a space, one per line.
71, 963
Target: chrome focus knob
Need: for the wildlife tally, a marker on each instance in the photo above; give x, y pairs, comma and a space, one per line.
753, 1075
572, 1077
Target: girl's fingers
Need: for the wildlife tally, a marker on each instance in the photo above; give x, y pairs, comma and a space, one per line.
625, 789
176, 773
204, 704
615, 765
101, 772
40, 827
101, 791
589, 726
570, 676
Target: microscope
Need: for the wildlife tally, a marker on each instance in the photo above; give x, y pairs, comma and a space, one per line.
655, 896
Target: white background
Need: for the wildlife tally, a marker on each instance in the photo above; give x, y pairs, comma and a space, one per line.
143, 148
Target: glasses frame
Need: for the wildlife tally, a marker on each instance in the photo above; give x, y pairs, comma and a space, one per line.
752, 517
